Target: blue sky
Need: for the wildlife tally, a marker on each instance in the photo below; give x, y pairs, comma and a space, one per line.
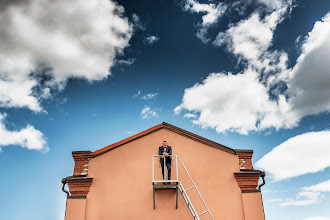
246, 74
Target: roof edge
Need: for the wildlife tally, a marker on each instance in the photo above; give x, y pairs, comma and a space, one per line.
126, 140
168, 127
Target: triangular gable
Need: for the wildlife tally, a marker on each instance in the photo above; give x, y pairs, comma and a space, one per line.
169, 127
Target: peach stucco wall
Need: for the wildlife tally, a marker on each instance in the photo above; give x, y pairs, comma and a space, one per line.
122, 184
253, 207
75, 209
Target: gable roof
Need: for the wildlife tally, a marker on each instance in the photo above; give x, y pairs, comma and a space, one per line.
169, 127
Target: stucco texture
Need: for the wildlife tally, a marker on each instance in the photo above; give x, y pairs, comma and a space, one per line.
253, 206
122, 184
75, 209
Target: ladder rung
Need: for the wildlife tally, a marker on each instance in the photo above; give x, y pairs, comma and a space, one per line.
190, 188
203, 213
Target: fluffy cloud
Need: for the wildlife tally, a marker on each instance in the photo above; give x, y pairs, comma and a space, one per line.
18, 92
28, 137
302, 154
309, 195
232, 96
308, 83
212, 13
67, 38
241, 103
250, 38
320, 187
303, 198
275, 4
236, 103
147, 113
150, 40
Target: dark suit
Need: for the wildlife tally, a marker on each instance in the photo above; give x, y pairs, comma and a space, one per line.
168, 160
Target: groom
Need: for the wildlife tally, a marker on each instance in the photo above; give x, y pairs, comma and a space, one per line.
165, 151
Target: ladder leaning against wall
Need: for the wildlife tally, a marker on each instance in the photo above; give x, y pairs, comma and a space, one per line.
177, 185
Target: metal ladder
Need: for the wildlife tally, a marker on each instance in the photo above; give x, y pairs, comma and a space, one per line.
182, 190
186, 197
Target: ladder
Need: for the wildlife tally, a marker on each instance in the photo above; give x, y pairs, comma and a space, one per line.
184, 191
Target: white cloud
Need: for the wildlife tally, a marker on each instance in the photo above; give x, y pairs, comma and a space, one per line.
28, 137
212, 13
302, 154
149, 96
137, 23
276, 200
317, 218
18, 92
309, 80
145, 97
275, 4
136, 94
72, 38
127, 62
241, 103
147, 113
309, 195
150, 40
250, 40
308, 91
320, 187
236, 103
304, 198
190, 115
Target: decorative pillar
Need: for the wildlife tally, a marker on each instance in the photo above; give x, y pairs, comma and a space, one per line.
76, 202
245, 159
247, 179
82, 161
79, 185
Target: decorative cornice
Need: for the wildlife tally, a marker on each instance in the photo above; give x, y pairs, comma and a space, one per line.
79, 185
248, 173
251, 191
244, 159
76, 197
243, 151
247, 180
82, 162
79, 179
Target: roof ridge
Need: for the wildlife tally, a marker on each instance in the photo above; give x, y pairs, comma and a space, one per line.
168, 127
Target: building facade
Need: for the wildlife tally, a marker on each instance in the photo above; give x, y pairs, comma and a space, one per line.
124, 180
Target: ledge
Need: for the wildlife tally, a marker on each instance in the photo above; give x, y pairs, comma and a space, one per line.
80, 178
250, 170
243, 151
248, 173
76, 197
251, 191
81, 152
